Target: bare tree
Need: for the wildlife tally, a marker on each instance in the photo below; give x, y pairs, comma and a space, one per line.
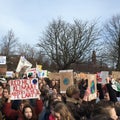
112, 40
66, 43
28, 51
8, 44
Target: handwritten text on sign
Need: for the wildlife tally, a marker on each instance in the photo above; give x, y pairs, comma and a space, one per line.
24, 88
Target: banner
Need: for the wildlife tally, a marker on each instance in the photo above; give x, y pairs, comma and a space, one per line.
2, 60
66, 79
24, 89
23, 64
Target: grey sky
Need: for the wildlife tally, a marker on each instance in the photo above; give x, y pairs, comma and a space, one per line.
28, 18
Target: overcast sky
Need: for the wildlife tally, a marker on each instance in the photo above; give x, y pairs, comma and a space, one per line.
28, 18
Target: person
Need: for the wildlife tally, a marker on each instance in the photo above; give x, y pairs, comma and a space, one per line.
12, 114
3, 99
111, 91
73, 100
61, 112
28, 113
107, 108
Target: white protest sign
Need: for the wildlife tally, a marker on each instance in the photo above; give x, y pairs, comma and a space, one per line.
104, 75
9, 74
24, 89
32, 72
42, 73
2, 60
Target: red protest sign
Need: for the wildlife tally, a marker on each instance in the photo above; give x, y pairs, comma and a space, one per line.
24, 88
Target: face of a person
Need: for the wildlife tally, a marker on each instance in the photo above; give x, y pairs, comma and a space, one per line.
57, 116
106, 96
5, 93
1, 89
113, 114
21, 106
76, 95
28, 113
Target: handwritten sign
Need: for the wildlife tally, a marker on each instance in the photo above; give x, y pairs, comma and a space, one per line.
24, 89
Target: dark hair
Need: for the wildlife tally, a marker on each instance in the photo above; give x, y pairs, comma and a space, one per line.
101, 117
34, 117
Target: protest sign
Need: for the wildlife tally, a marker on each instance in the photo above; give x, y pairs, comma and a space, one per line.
81, 76
115, 75
10, 74
24, 89
66, 79
2, 60
52, 76
92, 86
42, 73
39, 67
103, 76
32, 72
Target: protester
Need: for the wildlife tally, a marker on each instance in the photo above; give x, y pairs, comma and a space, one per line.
73, 101
4, 99
12, 114
105, 108
28, 113
61, 112
1, 89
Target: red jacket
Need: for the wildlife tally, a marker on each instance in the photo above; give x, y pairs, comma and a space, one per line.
14, 114
51, 117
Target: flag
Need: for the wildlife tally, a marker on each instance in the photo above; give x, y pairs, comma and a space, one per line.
23, 64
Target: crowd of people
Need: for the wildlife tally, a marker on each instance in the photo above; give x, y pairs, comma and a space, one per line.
52, 105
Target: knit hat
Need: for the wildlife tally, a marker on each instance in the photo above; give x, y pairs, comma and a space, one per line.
71, 90
3, 80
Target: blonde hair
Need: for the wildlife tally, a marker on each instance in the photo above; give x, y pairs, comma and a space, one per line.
62, 109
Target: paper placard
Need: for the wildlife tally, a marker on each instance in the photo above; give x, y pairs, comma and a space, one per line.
115, 75
52, 76
24, 89
92, 86
66, 79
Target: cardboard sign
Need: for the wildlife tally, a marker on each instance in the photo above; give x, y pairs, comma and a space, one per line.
66, 79
92, 86
54, 76
81, 76
24, 89
115, 75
